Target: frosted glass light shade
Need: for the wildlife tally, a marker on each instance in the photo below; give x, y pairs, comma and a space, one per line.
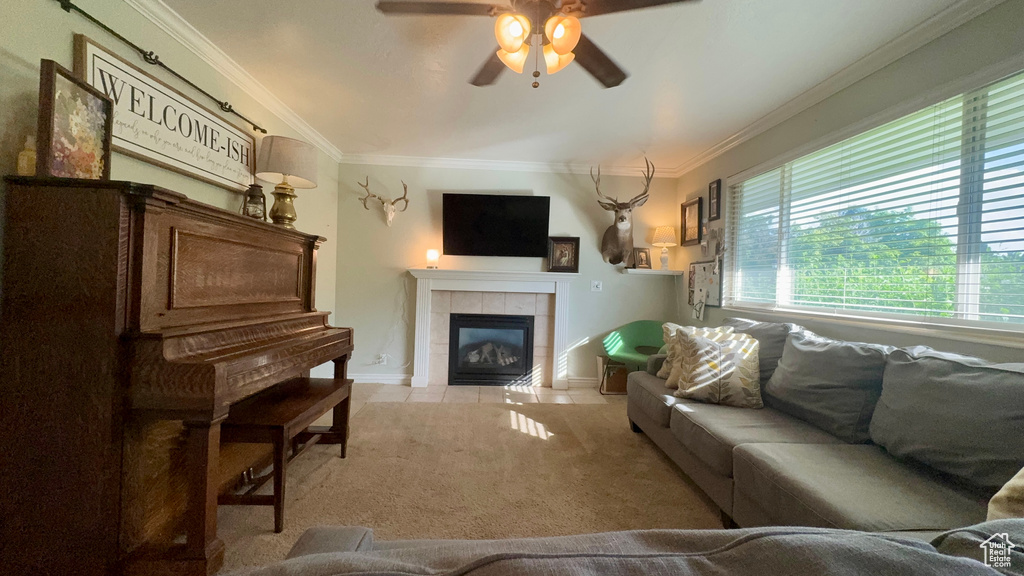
432, 257
556, 61
515, 60
511, 30
563, 32
664, 236
287, 159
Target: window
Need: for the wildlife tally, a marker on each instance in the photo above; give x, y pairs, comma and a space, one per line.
923, 216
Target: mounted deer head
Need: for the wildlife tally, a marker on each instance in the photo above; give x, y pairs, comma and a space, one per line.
390, 206
617, 244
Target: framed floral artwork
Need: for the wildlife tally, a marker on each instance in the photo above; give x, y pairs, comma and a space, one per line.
75, 122
691, 213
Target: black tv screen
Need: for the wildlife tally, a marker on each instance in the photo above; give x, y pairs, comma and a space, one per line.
491, 225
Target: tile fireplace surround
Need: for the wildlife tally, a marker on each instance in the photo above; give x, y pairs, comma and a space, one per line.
518, 289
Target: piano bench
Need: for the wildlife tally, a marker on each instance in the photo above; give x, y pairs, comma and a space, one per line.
283, 416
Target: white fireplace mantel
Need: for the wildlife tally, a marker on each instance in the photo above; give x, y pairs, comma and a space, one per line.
556, 283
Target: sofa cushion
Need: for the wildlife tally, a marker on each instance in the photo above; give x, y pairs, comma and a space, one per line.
852, 486
958, 414
721, 371
711, 432
672, 346
829, 383
648, 394
1009, 501
770, 335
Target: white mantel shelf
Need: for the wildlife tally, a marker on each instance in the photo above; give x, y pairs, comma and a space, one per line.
430, 279
646, 272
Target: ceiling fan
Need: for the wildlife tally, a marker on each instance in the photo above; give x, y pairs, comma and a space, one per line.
560, 39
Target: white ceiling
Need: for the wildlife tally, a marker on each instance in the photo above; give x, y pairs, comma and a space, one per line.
394, 89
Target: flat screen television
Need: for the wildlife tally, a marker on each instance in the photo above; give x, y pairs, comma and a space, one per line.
495, 225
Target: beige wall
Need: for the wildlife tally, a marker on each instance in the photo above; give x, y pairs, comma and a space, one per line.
992, 38
377, 296
35, 29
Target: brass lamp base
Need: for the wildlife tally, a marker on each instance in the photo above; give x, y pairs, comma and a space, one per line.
283, 211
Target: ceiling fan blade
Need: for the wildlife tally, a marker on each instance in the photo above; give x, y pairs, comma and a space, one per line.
489, 72
598, 7
598, 63
437, 8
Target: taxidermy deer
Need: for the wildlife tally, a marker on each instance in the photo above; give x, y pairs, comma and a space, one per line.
617, 244
390, 206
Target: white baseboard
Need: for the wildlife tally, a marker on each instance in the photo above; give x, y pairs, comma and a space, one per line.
575, 382
392, 379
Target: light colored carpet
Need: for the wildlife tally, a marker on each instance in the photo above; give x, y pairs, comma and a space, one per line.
475, 471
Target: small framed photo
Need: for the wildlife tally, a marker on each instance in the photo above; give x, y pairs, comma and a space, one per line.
75, 126
642, 258
564, 254
715, 200
691, 214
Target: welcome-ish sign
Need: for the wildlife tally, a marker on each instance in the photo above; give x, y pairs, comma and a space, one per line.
158, 124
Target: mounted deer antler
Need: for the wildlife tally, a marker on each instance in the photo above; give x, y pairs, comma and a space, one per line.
388, 205
617, 243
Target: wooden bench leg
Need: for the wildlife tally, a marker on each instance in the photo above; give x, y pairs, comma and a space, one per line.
339, 423
280, 472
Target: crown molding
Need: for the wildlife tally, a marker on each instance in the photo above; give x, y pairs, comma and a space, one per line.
938, 25
185, 34
496, 165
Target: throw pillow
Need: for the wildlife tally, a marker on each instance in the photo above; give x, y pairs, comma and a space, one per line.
672, 345
720, 371
771, 336
1009, 501
831, 384
958, 414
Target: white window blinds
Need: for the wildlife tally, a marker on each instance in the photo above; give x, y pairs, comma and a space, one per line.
921, 216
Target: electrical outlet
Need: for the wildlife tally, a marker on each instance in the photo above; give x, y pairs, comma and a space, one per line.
595, 286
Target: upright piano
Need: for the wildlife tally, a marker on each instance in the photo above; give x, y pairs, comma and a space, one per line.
132, 319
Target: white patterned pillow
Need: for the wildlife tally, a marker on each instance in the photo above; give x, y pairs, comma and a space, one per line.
723, 371
669, 331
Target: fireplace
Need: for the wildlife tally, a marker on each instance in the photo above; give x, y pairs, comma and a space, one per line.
490, 350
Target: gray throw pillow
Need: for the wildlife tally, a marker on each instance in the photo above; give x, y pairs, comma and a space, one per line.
958, 414
831, 384
771, 336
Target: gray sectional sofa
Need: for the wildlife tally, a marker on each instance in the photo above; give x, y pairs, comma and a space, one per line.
852, 436
345, 550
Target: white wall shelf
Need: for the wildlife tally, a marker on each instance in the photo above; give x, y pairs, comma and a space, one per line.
655, 272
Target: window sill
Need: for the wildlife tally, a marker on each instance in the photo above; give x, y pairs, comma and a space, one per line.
934, 329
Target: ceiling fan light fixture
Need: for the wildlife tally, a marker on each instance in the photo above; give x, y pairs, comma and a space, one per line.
515, 60
556, 61
563, 32
512, 30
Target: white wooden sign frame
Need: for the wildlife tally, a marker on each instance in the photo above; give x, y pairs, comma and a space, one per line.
160, 125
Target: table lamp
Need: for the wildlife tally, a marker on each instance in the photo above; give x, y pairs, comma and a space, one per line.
664, 236
290, 164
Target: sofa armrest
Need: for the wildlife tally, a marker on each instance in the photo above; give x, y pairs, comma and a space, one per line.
654, 363
322, 539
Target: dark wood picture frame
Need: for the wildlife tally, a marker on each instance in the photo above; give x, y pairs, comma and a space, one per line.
715, 200
636, 258
564, 254
692, 235
50, 75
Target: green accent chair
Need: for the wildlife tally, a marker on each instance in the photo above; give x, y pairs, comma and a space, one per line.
632, 343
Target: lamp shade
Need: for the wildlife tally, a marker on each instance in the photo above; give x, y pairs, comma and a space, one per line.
556, 61
664, 236
511, 30
563, 32
515, 60
283, 158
